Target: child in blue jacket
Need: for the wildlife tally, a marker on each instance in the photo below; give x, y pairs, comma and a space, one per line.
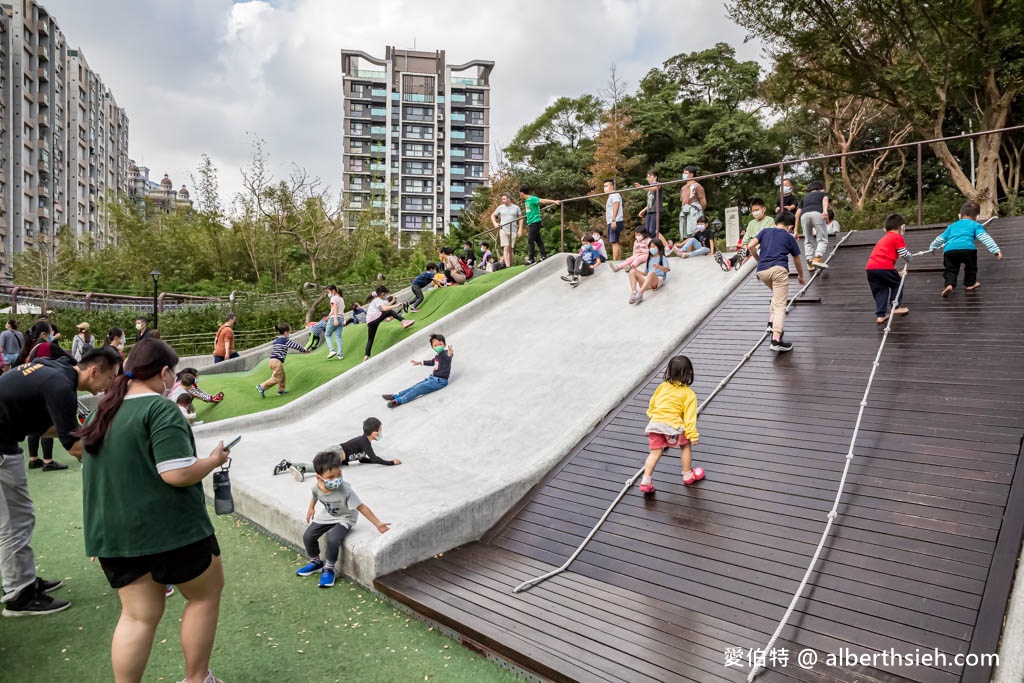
958, 240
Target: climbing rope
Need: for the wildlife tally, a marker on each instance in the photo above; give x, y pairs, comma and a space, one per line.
632, 480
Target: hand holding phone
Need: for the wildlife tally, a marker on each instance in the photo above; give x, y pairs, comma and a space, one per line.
233, 443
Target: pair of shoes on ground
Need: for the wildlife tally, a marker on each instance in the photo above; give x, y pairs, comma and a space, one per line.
314, 566
695, 475
334, 354
34, 600
392, 401
573, 280
263, 392
636, 298
46, 465
723, 262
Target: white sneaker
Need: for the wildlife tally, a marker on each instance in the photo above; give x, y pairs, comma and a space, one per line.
331, 355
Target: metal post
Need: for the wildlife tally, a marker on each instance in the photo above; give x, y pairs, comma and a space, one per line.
155, 294
920, 188
561, 220
782, 177
657, 211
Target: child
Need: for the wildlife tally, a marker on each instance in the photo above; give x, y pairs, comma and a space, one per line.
599, 243
811, 215
772, 248
651, 275
442, 364
702, 242
759, 220
585, 263
360, 449
486, 257
533, 222
317, 332
278, 352
188, 382
468, 255
379, 310
439, 279
335, 321
673, 413
614, 219
335, 518
833, 226
641, 244
184, 402
959, 249
883, 278
358, 315
651, 213
422, 280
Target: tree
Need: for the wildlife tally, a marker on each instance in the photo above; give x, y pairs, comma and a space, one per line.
616, 135
935, 64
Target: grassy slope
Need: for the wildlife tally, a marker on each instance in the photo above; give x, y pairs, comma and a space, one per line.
274, 626
306, 372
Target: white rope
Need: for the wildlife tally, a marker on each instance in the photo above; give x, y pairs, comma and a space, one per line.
632, 480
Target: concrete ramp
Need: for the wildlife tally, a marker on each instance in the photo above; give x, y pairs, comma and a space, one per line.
537, 365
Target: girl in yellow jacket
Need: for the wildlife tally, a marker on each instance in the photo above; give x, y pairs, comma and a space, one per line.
673, 413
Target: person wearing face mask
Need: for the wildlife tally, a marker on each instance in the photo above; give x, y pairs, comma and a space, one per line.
115, 338
144, 513
339, 512
789, 201
442, 364
651, 275
142, 330
360, 448
759, 220
693, 200
41, 345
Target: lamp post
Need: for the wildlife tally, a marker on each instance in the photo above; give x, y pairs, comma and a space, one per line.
156, 281
716, 230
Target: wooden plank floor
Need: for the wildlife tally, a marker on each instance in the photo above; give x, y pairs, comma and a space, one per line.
922, 554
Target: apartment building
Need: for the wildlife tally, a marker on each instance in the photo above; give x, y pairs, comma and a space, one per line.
416, 138
63, 139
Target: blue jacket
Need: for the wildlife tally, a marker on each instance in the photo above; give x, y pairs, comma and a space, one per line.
962, 234
423, 279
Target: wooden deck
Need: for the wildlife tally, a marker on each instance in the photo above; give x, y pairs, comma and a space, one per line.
922, 554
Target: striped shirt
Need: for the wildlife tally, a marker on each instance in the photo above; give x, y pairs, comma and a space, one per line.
280, 348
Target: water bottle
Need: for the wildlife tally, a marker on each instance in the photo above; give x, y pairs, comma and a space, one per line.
223, 504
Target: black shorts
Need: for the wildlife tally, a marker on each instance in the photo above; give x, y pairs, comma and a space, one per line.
180, 565
614, 231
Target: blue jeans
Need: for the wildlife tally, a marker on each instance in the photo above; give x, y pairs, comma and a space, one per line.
10, 358
694, 248
427, 386
334, 331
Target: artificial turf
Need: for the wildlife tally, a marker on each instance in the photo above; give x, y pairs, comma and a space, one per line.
274, 626
305, 372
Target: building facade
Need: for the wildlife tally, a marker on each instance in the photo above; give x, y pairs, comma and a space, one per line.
416, 138
162, 196
64, 140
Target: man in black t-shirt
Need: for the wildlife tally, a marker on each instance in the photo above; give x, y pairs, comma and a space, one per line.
40, 397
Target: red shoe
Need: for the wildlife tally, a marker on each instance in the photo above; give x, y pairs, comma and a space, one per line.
647, 488
696, 474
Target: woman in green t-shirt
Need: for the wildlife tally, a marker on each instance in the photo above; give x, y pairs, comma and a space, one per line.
145, 513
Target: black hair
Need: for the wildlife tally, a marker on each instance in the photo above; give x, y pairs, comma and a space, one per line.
524, 188
831, 215
690, 169
785, 218
333, 288
143, 319
112, 334
653, 172
325, 461
230, 316
13, 322
184, 399
655, 242
187, 379
106, 357
382, 290
610, 180
815, 185
467, 243
432, 266
485, 245
283, 328
147, 360
702, 219
679, 371
757, 201
894, 221
588, 239
370, 425
32, 338
598, 231
438, 337
970, 210
187, 371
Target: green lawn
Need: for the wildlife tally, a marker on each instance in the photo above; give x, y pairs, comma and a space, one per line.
274, 626
306, 372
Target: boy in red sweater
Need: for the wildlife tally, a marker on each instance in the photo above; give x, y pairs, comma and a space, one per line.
883, 278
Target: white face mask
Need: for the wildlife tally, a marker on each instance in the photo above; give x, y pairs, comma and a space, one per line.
380, 435
686, 176
138, 326
597, 237
786, 190
167, 388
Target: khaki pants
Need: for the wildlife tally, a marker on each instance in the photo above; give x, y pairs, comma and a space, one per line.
276, 375
777, 278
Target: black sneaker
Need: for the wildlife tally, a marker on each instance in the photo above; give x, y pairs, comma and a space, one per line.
53, 466
44, 586
567, 278
31, 603
35, 464
388, 397
281, 467
392, 404
781, 346
720, 260
576, 281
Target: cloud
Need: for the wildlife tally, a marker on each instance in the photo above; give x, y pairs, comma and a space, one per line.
204, 76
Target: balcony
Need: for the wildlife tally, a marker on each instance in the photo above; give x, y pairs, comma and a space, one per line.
458, 171
378, 92
374, 75
456, 116
43, 73
458, 135
378, 130
458, 97
458, 153
457, 188
457, 206
459, 80
416, 97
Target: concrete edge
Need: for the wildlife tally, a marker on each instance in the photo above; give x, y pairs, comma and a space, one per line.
1011, 643
387, 359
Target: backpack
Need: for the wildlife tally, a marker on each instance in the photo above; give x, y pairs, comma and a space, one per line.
465, 268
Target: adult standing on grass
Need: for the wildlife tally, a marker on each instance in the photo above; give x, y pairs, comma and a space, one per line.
533, 221
145, 515
38, 398
335, 321
505, 218
224, 344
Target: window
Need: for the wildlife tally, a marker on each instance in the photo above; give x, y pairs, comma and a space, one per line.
475, 118
475, 153
475, 135
418, 132
417, 204
414, 149
417, 167
475, 99
416, 185
417, 113
356, 165
415, 222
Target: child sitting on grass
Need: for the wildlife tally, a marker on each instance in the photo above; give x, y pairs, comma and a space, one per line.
486, 257
673, 414
278, 352
959, 250
883, 278
334, 519
442, 364
360, 449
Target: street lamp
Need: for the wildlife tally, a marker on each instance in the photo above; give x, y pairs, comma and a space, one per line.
156, 280
716, 228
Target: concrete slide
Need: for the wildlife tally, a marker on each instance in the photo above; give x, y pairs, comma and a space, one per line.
537, 365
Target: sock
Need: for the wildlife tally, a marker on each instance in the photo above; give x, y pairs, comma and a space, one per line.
329, 566
645, 480
315, 559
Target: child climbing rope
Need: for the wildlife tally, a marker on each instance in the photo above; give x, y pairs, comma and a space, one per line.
673, 413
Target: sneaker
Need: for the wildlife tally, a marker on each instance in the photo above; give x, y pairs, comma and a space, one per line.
632, 298
44, 586
297, 473
31, 603
567, 278
720, 260
639, 298
210, 678
528, 262
169, 592
781, 346
53, 466
259, 388
282, 467
388, 397
326, 578
282, 393
392, 403
647, 488
339, 357
35, 464
313, 567
818, 262
414, 309
331, 354
407, 324
575, 282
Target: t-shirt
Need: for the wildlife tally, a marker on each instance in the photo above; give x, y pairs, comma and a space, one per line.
705, 236
886, 251
225, 340
373, 309
128, 510
35, 396
360, 449
487, 257
814, 201
532, 209
338, 305
336, 507
592, 256
609, 205
10, 342
443, 365
774, 247
507, 216
660, 260
755, 226
790, 202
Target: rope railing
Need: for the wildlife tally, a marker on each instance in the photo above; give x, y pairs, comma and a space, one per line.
632, 480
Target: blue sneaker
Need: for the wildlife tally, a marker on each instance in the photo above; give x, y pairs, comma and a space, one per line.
259, 388
312, 568
327, 578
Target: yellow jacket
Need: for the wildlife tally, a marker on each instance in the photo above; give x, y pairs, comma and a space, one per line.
675, 405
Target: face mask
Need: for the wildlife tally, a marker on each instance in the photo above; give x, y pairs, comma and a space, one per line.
787, 190
757, 213
686, 176
138, 326
438, 349
379, 436
597, 237
654, 252
333, 484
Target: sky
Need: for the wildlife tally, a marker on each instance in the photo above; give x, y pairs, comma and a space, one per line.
207, 76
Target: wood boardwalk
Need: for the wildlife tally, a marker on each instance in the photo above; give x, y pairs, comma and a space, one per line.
921, 557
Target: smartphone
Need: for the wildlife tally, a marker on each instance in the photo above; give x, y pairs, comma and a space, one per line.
231, 445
